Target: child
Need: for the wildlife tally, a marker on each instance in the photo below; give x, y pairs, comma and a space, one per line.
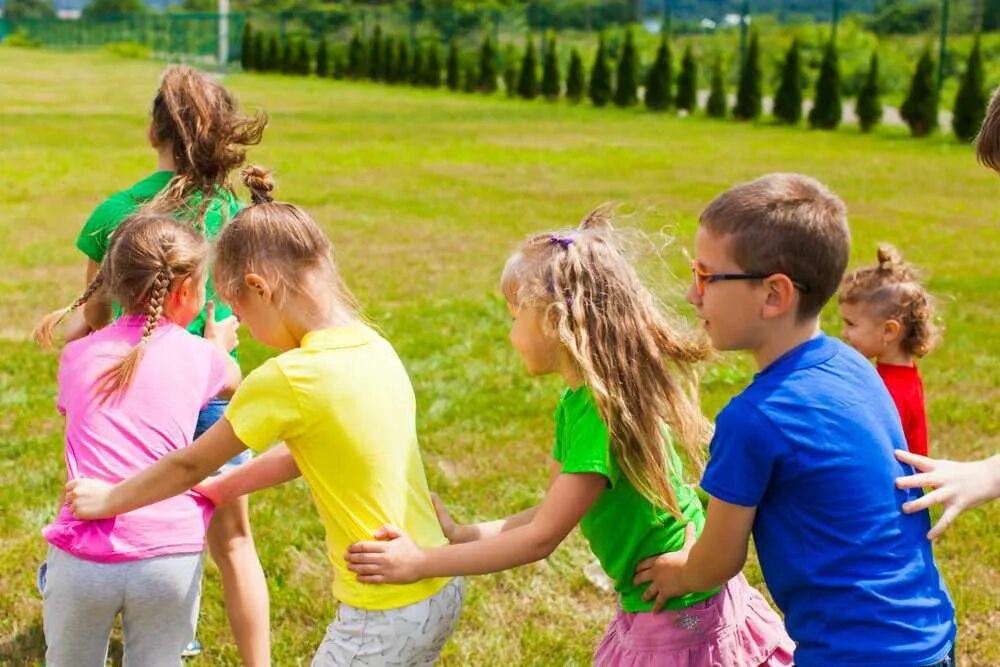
199, 136
580, 311
889, 316
803, 458
988, 140
339, 397
128, 402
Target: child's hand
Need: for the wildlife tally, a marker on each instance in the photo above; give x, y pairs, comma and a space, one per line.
393, 559
664, 572
211, 490
222, 333
89, 498
957, 486
448, 525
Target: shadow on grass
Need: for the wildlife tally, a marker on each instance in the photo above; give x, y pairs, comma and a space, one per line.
28, 648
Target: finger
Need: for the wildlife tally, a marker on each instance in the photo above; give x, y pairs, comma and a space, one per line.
388, 532
661, 599
650, 593
919, 462
945, 521
372, 578
366, 547
645, 563
917, 481
642, 576
209, 312
925, 501
360, 558
365, 568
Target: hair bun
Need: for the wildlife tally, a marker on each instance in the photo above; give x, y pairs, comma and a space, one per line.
888, 258
599, 218
258, 180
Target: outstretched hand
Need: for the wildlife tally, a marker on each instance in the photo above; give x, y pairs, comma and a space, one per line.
664, 572
89, 498
391, 558
223, 332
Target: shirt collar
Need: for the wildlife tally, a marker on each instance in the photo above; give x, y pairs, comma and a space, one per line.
813, 352
351, 335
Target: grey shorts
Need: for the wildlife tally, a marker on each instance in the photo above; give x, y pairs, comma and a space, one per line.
157, 598
412, 636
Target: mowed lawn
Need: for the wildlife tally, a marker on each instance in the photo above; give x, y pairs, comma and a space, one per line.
424, 194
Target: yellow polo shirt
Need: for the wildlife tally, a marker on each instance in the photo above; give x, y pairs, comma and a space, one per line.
344, 404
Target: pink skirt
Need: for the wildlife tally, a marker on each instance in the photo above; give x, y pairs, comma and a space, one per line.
735, 628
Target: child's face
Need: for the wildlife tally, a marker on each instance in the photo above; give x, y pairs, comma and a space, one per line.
863, 330
730, 310
255, 307
539, 351
186, 300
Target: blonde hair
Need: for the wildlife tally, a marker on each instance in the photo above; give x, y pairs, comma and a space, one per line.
892, 289
638, 365
790, 224
988, 140
200, 120
278, 241
149, 254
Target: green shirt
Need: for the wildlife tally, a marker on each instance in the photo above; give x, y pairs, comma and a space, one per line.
96, 233
622, 527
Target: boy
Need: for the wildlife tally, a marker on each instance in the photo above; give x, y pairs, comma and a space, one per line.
803, 458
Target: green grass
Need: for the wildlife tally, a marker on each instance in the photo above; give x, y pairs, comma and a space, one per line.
424, 195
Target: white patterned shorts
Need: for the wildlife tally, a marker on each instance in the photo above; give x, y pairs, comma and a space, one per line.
411, 635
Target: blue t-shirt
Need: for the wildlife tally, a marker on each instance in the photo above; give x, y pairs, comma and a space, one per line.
810, 444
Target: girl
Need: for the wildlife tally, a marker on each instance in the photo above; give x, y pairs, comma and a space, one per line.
889, 316
127, 404
199, 137
339, 397
580, 311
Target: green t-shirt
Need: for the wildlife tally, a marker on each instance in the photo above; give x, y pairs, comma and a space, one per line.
622, 527
96, 233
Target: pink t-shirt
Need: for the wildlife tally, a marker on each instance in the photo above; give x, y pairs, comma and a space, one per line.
178, 374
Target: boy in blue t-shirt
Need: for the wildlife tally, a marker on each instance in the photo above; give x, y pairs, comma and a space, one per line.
803, 458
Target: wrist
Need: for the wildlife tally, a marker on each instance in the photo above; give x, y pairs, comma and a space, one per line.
993, 468
422, 565
461, 533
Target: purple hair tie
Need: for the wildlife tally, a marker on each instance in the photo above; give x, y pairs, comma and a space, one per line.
558, 239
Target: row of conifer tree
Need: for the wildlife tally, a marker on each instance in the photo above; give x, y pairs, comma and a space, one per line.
396, 60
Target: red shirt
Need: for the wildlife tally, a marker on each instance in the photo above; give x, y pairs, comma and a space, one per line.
907, 391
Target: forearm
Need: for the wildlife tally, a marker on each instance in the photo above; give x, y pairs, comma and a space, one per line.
97, 310
234, 375
77, 326
706, 568
511, 548
274, 467
486, 529
171, 475
993, 470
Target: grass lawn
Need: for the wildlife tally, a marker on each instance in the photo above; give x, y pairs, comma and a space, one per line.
424, 195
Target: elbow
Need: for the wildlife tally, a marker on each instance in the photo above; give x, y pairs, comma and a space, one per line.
190, 471
541, 546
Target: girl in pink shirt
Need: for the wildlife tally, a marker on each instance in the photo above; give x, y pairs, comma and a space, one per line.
131, 393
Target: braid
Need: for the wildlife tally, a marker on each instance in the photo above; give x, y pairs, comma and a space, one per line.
45, 327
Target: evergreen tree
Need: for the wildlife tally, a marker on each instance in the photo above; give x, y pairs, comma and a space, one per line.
260, 46
487, 66
417, 65
527, 83
551, 84
600, 76
716, 104
869, 107
339, 66
510, 71
324, 67
920, 109
303, 59
454, 66
470, 79
288, 55
970, 103
659, 79
575, 77
376, 55
626, 80
788, 97
390, 68
356, 56
247, 43
748, 95
827, 108
432, 69
687, 83
274, 53
403, 63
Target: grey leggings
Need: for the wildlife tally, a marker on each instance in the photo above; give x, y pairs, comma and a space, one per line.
157, 598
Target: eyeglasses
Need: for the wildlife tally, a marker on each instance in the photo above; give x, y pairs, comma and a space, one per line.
703, 278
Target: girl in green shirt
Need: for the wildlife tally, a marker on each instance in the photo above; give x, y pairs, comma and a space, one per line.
580, 311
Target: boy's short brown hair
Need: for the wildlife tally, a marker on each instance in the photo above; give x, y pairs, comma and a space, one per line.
988, 141
790, 224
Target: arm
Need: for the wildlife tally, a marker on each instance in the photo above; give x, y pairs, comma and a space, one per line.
700, 566
223, 335
175, 473
957, 486
401, 561
274, 467
97, 310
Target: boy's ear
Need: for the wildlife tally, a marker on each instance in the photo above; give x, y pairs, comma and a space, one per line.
780, 297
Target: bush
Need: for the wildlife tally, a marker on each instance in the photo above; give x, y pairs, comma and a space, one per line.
687, 83
432, 70
454, 66
376, 56
323, 65
247, 56
658, 81
356, 60
788, 97
970, 103
716, 104
575, 77
527, 82
869, 106
827, 109
131, 50
551, 84
487, 66
403, 63
626, 81
748, 95
600, 76
510, 72
920, 109
260, 46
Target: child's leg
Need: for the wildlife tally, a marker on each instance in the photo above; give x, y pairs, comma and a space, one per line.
161, 607
412, 635
244, 587
81, 601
